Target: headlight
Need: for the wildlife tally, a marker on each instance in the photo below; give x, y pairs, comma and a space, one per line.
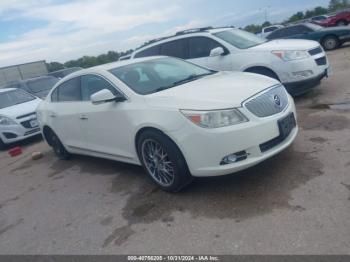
291, 55
5, 121
215, 119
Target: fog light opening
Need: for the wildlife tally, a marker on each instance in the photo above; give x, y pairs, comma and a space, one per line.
9, 135
303, 74
234, 158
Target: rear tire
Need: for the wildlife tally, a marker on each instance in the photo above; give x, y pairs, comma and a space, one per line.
163, 161
330, 43
58, 147
263, 71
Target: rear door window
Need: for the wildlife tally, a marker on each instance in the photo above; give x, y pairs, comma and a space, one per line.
152, 51
70, 91
270, 29
91, 84
201, 46
280, 33
291, 31
301, 29
177, 48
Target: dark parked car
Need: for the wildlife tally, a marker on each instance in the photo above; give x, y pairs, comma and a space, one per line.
329, 38
38, 86
319, 18
340, 19
64, 72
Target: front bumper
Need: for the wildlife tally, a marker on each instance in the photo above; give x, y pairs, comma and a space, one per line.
204, 149
304, 86
14, 133
292, 73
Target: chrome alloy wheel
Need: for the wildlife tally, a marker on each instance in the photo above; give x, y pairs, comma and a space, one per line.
330, 43
157, 162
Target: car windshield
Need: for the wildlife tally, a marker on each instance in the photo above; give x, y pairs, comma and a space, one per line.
321, 17
155, 75
239, 38
14, 97
314, 27
41, 84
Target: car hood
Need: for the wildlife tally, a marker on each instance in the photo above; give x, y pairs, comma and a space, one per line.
218, 91
20, 109
285, 45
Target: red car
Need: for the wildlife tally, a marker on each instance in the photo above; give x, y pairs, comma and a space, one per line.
340, 19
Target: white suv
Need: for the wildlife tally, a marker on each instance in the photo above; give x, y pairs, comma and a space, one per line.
299, 64
269, 29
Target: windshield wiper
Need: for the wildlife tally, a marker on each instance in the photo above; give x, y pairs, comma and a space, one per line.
182, 81
190, 78
161, 89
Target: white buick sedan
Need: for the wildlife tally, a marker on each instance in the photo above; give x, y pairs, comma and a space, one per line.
177, 119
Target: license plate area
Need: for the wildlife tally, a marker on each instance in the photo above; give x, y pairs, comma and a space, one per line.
286, 125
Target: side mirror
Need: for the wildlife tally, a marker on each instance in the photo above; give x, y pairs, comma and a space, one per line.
105, 96
218, 51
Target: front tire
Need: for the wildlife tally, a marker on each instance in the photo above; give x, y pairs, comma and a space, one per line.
58, 147
330, 43
163, 161
263, 71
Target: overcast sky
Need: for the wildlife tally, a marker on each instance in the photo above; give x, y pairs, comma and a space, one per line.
59, 30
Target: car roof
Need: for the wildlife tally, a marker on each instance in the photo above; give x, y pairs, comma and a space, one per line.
274, 25
292, 25
184, 34
217, 30
3, 90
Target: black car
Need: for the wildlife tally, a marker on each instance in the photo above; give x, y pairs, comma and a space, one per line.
330, 38
38, 86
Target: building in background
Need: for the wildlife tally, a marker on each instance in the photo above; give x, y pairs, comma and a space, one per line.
11, 74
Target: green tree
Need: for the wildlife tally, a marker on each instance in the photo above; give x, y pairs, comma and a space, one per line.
266, 23
89, 61
335, 5
315, 12
296, 17
54, 66
253, 28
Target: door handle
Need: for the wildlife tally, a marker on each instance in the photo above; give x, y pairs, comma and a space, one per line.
52, 114
83, 117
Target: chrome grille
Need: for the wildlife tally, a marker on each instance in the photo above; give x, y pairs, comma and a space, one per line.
268, 103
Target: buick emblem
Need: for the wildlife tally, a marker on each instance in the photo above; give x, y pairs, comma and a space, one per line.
277, 100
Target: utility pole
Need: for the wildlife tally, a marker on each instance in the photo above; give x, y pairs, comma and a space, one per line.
265, 10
